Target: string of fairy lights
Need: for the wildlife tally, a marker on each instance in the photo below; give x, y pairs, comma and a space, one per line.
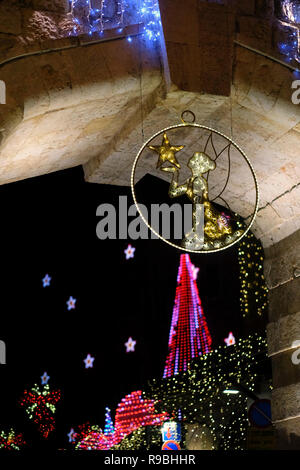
95, 16
253, 289
201, 393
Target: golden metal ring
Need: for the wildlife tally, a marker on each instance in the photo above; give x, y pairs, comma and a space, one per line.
191, 113
199, 126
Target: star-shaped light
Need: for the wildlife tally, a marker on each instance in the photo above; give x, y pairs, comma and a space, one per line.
46, 280
223, 220
230, 340
130, 345
71, 435
195, 272
45, 378
129, 252
89, 360
166, 152
71, 303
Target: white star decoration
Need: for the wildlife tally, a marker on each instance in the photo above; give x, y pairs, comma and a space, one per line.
195, 272
89, 361
230, 340
46, 280
71, 303
130, 345
129, 252
45, 378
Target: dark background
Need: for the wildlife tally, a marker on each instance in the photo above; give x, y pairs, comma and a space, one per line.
48, 225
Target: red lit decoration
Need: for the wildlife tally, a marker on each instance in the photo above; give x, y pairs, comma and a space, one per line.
132, 413
189, 335
40, 407
11, 440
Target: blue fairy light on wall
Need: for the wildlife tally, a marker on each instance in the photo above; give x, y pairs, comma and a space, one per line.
94, 16
289, 17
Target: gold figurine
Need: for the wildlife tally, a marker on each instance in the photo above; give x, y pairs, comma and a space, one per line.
218, 231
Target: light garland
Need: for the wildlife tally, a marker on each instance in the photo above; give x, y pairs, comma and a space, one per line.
253, 290
109, 427
198, 392
290, 19
89, 16
189, 335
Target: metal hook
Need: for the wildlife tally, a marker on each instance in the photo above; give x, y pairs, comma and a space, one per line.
191, 113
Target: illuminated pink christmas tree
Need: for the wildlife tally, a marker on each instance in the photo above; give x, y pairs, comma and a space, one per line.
189, 335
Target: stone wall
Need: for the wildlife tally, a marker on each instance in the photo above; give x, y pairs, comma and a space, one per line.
199, 41
200, 37
283, 277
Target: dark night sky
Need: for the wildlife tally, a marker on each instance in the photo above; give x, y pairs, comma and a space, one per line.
48, 225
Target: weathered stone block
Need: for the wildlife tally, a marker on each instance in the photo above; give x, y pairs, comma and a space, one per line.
285, 372
49, 5
282, 260
199, 40
255, 32
244, 7
283, 333
10, 20
286, 402
288, 435
284, 300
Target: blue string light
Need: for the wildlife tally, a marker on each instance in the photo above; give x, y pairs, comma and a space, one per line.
90, 16
290, 19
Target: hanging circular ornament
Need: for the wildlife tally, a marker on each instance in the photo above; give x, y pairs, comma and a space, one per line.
199, 163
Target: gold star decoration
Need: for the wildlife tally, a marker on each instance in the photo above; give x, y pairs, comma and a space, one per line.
166, 152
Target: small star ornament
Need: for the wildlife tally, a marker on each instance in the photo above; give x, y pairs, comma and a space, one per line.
230, 340
46, 280
129, 252
89, 361
71, 303
71, 435
45, 378
130, 345
166, 152
195, 271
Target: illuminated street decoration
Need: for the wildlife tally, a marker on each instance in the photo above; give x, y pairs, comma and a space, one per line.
198, 391
40, 407
189, 335
214, 225
166, 152
109, 427
230, 341
89, 361
133, 412
253, 289
71, 303
289, 17
96, 16
195, 272
130, 345
11, 440
45, 378
46, 280
72, 435
129, 252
